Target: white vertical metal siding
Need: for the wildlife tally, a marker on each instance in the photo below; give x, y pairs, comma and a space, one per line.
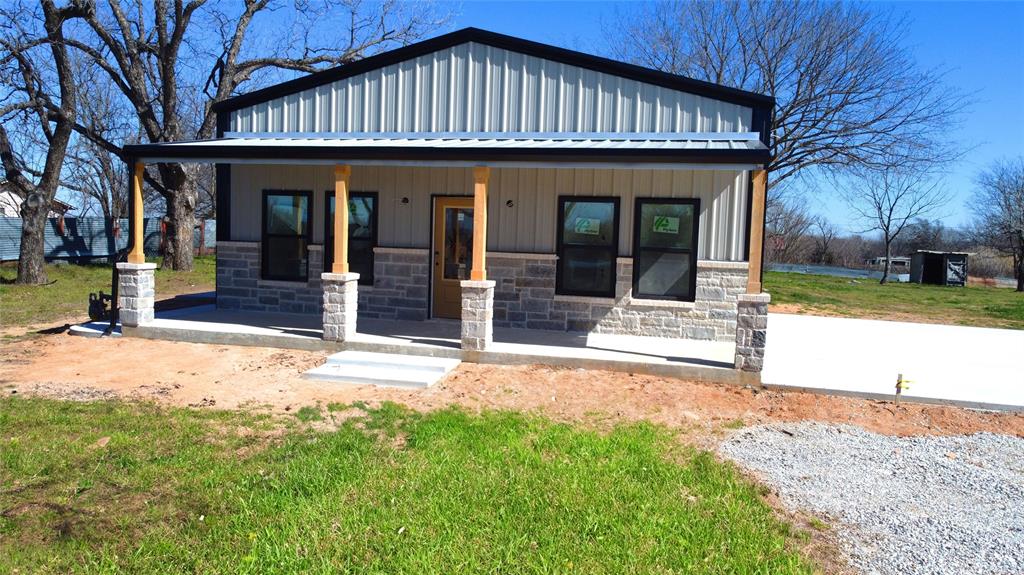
478, 88
527, 225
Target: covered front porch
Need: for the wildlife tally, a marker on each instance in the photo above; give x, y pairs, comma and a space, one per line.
713, 329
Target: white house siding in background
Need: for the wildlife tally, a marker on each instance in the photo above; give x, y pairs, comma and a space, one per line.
528, 225
473, 87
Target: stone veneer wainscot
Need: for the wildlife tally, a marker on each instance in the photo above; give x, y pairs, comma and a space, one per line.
524, 297
400, 287
524, 294
239, 285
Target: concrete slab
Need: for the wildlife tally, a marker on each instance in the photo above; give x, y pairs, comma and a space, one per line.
698, 360
966, 366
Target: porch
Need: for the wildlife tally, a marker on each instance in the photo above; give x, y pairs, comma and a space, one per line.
689, 359
602, 256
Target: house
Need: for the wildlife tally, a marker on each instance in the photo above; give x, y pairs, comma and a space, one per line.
10, 204
492, 180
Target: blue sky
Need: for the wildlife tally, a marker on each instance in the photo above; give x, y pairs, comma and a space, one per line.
981, 44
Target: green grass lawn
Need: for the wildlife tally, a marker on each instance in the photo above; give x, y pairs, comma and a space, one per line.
977, 306
68, 292
188, 491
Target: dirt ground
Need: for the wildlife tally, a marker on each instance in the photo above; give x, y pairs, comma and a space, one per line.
229, 377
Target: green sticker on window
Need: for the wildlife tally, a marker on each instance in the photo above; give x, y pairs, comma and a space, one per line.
588, 226
665, 225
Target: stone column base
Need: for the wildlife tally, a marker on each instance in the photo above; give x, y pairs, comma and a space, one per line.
341, 296
751, 330
477, 314
136, 290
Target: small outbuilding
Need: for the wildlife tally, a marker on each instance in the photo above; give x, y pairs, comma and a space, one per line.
939, 268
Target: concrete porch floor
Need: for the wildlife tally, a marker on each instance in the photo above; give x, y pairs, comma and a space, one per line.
698, 360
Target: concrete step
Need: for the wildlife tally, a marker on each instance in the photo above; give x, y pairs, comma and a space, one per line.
383, 369
389, 360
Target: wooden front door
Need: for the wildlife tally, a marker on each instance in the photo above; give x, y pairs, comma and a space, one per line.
453, 253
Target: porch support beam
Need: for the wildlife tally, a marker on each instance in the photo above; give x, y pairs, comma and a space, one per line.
760, 181
138, 254
480, 177
341, 177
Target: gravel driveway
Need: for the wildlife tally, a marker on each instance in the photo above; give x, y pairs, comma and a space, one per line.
900, 505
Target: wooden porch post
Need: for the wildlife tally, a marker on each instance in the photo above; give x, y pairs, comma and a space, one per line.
341, 175
480, 176
138, 254
760, 181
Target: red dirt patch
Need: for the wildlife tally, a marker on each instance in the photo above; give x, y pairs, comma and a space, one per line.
229, 377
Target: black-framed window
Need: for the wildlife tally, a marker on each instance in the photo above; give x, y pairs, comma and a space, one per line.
588, 243
665, 248
286, 235
362, 233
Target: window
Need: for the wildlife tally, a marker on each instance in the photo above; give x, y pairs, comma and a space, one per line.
285, 235
665, 249
362, 233
588, 242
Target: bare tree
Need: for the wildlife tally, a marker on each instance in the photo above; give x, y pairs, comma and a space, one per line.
848, 93
999, 209
924, 234
886, 200
787, 223
40, 95
161, 59
824, 240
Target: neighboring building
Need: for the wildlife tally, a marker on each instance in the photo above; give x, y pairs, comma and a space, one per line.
899, 264
10, 204
495, 180
939, 268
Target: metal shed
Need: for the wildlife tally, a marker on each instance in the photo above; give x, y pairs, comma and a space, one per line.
939, 268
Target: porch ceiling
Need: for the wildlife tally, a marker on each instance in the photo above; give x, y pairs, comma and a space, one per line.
708, 151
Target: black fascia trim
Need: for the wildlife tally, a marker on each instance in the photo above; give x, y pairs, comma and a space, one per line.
748, 216
512, 43
761, 122
694, 239
222, 186
594, 155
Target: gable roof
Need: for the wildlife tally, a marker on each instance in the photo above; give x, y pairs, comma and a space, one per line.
758, 102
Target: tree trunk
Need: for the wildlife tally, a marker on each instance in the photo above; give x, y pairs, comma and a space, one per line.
1019, 261
32, 260
885, 270
1020, 270
181, 207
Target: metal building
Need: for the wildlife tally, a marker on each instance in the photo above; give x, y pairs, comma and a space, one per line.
939, 268
498, 181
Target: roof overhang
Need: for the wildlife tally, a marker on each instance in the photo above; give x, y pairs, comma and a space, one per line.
728, 151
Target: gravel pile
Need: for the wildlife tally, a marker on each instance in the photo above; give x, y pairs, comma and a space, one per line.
900, 505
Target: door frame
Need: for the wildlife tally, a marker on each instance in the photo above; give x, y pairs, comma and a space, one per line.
430, 265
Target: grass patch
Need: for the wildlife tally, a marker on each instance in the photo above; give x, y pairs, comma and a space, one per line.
308, 413
175, 491
971, 305
68, 292
817, 523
